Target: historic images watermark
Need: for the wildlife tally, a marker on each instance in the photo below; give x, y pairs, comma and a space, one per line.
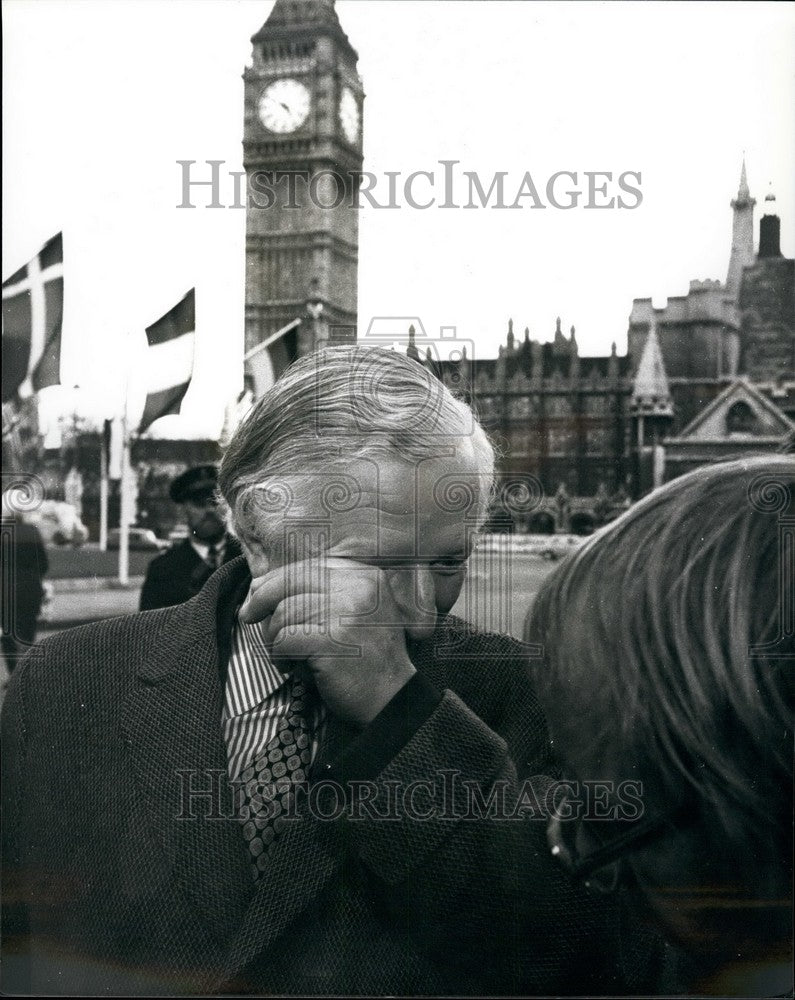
298, 513
297, 510
212, 184
22, 493
447, 796
768, 494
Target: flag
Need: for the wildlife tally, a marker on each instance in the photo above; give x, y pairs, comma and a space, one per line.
32, 315
169, 360
265, 362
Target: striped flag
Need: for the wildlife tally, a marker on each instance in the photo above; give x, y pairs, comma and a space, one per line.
169, 360
266, 362
32, 315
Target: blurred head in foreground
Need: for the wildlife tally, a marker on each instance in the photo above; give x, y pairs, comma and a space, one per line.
667, 659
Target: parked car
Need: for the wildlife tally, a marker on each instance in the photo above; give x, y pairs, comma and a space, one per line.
58, 523
139, 539
553, 547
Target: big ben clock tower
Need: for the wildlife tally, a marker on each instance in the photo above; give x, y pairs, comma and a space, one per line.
302, 151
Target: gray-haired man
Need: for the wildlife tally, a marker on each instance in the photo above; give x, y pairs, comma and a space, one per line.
368, 841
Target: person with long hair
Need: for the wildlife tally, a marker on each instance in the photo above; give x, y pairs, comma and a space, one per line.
665, 667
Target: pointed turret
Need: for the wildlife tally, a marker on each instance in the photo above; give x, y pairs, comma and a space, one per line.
651, 396
560, 344
411, 350
743, 192
300, 12
742, 252
292, 19
574, 362
612, 362
511, 340
652, 411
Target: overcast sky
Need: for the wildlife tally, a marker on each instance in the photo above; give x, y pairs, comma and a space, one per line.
101, 99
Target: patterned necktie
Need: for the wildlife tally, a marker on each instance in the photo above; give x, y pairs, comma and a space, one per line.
266, 784
214, 556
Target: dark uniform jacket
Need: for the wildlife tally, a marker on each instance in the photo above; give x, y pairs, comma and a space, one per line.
126, 871
179, 574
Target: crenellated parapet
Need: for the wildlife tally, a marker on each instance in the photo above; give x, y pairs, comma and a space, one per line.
553, 412
698, 332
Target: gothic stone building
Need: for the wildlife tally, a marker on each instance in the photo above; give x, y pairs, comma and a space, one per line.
723, 356
709, 376
556, 416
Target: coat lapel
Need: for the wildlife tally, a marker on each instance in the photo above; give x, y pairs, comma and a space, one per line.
172, 723
309, 852
307, 855
429, 655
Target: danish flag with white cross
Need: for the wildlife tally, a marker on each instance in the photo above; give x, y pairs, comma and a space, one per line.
32, 317
169, 360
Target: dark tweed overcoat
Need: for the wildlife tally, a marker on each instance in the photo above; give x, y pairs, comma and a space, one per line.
112, 887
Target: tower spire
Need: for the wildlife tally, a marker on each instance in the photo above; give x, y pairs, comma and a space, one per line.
560, 343
411, 350
651, 395
743, 193
742, 252
291, 18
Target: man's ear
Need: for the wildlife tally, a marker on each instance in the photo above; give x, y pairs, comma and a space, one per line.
258, 562
254, 551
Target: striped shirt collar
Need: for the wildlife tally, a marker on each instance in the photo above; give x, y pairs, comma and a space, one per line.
252, 676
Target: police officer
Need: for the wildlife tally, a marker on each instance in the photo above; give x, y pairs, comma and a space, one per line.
181, 572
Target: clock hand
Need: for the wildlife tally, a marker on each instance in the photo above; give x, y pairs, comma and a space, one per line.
281, 104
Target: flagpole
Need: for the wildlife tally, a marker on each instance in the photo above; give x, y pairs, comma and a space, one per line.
124, 512
272, 339
103, 489
124, 483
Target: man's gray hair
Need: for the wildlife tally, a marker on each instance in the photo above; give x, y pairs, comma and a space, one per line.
332, 407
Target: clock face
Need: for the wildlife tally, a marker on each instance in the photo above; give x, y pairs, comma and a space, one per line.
284, 105
349, 115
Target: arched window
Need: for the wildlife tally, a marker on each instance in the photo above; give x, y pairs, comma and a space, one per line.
741, 419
